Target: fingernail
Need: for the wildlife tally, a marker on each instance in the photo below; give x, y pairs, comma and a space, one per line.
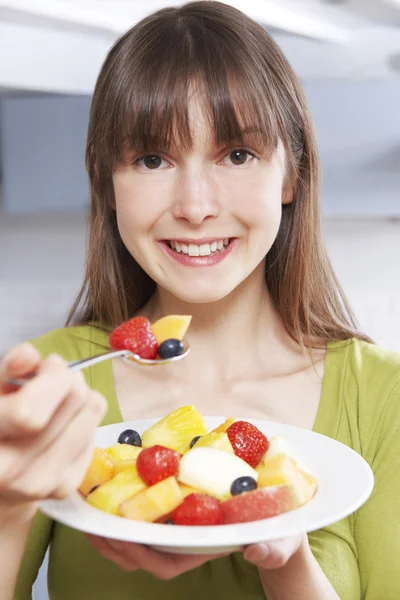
257, 553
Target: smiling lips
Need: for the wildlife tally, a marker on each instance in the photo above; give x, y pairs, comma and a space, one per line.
204, 253
204, 249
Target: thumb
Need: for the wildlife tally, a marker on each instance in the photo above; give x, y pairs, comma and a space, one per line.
18, 362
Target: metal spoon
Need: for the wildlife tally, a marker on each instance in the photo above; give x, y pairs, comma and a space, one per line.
126, 355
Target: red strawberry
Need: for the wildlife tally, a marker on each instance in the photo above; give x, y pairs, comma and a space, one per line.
157, 463
248, 442
198, 509
135, 335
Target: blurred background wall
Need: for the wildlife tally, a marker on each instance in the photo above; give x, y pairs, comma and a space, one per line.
347, 55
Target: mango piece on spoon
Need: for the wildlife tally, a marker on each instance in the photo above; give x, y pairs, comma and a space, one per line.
171, 327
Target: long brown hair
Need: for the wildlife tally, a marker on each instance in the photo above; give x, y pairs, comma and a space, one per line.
140, 104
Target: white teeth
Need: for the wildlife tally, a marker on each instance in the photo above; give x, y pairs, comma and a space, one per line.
194, 250
199, 250
205, 250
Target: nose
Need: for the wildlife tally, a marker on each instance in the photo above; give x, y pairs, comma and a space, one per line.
195, 196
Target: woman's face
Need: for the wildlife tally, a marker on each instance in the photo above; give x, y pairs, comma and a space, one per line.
199, 222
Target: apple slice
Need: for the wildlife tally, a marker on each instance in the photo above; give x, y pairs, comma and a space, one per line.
259, 504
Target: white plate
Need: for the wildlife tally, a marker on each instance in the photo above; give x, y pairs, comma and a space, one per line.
345, 483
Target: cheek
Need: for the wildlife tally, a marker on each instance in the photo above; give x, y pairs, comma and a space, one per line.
259, 205
137, 209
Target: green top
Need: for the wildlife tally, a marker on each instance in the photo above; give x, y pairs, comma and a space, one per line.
359, 406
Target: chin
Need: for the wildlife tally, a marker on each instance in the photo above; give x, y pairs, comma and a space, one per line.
201, 294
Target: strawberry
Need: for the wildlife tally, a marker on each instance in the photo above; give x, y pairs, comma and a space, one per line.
157, 463
198, 509
248, 442
135, 335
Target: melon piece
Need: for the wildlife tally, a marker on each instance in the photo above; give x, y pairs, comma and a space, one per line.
220, 441
259, 504
176, 430
110, 495
171, 327
153, 503
124, 451
101, 469
281, 469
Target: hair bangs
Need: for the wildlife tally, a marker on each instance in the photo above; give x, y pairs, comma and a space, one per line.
152, 108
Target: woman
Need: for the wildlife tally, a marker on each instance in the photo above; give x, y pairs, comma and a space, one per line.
204, 200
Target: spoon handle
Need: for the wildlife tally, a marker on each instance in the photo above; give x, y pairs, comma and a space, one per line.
76, 365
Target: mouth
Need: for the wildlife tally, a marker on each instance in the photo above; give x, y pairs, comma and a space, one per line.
201, 248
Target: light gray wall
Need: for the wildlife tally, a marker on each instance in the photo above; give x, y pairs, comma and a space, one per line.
358, 128
43, 141
357, 124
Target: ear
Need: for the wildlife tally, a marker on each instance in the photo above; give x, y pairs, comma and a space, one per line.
288, 191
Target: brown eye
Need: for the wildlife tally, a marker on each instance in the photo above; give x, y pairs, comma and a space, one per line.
239, 157
152, 161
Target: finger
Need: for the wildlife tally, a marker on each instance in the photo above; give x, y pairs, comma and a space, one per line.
273, 555
41, 477
160, 564
29, 409
20, 361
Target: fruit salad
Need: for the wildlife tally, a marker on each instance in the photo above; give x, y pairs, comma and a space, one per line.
177, 472
162, 339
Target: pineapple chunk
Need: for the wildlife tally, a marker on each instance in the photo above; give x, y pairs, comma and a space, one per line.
186, 490
100, 470
220, 441
281, 469
224, 426
157, 501
171, 327
124, 452
122, 465
110, 495
176, 430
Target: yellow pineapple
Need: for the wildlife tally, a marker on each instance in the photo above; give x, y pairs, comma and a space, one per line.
220, 441
110, 495
122, 465
186, 490
281, 469
153, 503
101, 469
222, 428
176, 430
124, 452
171, 327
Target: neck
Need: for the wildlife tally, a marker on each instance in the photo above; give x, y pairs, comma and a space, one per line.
241, 333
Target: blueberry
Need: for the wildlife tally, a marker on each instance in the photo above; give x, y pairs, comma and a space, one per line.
130, 436
169, 522
171, 348
194, 440
243, 484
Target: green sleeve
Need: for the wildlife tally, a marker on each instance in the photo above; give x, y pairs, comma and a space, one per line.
72, 343
377, 524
